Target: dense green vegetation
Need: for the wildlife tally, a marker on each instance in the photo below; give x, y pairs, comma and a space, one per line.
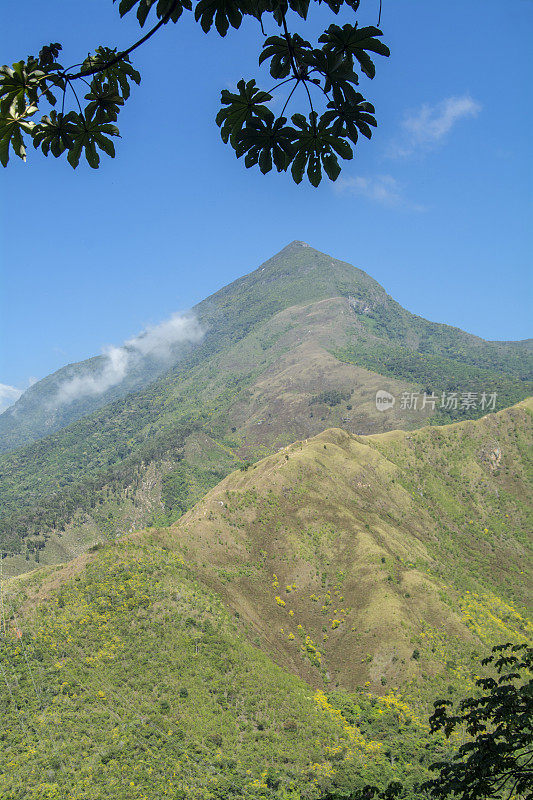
332, 397
386, 319
287, 638
176, 490
495, 761
30, 515
132, 679
436, 374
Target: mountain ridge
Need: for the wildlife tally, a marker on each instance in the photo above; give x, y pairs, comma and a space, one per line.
301, 344
207, 309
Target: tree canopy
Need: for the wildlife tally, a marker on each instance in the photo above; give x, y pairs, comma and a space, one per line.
81, 103
497, 759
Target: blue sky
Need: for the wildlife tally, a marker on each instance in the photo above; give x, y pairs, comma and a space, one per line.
437, 207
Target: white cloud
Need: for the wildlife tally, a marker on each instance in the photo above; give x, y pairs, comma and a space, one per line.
158, 340
155, 342
429, 125
8, 395
113, 371
383, 189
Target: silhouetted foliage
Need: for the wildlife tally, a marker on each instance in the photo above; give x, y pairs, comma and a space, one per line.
497, 762
311, 144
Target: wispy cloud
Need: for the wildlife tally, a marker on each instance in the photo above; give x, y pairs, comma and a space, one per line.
427, 126
155, 342
8, 395
382, 189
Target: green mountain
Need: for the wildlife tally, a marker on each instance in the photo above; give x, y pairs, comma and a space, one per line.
39, 412
301, 344
285, 638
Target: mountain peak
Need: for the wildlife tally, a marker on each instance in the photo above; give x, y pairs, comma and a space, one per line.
297, 243
293, 247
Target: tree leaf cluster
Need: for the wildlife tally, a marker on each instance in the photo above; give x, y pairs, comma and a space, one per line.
311, 145
81, 130
314, 142
497, 759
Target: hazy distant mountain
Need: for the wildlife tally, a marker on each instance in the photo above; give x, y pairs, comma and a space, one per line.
79, 389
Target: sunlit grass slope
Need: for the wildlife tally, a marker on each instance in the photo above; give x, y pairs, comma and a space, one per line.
348, 554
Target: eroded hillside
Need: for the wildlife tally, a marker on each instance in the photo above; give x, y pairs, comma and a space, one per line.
374, 547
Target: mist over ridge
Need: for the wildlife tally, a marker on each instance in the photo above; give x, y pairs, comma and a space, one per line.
155, 342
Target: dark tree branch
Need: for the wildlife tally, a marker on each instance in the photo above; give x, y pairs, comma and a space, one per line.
289, 45
120, 56
288, 98
311, 104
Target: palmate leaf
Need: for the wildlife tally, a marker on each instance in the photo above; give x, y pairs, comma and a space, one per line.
55, 134
162, 8
46, 74
241, 108
349, 117
75, 133
354, 42
336, 68
222, 12
104, 102
117, 75
317, 146
277, 49
13, 123
88, 135
21, 85
48, 55
266, 142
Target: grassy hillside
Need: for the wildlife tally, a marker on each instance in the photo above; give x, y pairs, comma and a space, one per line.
379, 546
285, 638
291, 349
